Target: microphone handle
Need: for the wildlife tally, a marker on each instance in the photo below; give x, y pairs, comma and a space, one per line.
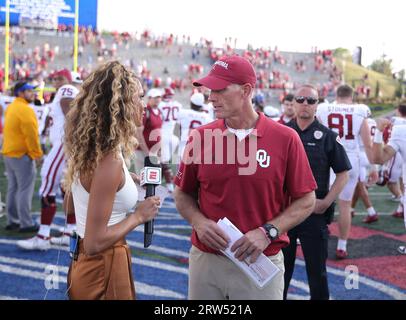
149, 226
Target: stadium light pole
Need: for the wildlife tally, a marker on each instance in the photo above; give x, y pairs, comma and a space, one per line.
7, 47
76, 38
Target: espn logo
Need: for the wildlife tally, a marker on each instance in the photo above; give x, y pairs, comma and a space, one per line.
150, 175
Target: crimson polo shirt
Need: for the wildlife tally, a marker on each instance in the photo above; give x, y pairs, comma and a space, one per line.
282, 173
152, 121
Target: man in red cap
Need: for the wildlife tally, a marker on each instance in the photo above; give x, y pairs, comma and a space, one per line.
264, 200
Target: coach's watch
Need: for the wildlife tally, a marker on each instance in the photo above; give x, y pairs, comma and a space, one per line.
271, 231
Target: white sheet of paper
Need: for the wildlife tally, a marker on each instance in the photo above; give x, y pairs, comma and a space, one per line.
260, 272
160, 191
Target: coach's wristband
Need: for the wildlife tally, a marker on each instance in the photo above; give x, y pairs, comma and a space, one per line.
378, 137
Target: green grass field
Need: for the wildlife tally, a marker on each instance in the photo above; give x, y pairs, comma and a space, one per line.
380, 198
354, 73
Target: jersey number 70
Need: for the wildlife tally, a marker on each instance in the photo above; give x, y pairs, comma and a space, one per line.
170, 111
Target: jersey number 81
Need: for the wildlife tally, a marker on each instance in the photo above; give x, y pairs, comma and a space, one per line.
337, 121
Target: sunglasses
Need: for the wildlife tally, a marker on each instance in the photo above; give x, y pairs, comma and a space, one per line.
310, 100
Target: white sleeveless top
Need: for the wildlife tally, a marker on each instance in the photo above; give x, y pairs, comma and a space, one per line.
125, 200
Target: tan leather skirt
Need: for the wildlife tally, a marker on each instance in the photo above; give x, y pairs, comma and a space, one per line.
104, 276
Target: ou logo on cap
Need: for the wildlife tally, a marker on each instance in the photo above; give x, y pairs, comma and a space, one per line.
264, 160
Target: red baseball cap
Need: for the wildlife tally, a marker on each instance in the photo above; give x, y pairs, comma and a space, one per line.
228, 70
63, 73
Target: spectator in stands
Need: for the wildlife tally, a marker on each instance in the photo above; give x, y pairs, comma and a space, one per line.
288, 111
259, 102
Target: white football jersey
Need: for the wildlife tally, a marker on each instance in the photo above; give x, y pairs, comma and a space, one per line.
398, 121
398, 142
346, 120
372, 129
170, 112
41, 112
56, 113
209, 109
191, 119
4, 102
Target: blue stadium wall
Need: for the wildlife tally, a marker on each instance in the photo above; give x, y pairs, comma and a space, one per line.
87, 12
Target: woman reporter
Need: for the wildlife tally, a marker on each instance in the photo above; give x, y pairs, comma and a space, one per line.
99, 135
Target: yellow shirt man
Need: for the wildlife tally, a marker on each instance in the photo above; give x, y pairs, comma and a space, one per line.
21, 131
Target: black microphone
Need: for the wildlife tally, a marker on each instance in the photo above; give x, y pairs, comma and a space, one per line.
150, 178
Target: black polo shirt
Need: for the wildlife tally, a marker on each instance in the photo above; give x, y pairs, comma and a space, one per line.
324, 151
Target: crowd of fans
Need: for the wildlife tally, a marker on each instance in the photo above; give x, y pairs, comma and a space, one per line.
276, 71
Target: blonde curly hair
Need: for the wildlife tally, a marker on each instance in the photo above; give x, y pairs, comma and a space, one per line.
103, 118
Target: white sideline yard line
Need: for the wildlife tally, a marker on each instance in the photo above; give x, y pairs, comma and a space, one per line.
172, 226
300, 284
13, 242
303, 286
168, 205
160, 265
26, 273
10, 298
394, 293
147, 289
169, 218
32, 264
141, 288
137, 261
163, 250
169, 214
292, 296
164, 234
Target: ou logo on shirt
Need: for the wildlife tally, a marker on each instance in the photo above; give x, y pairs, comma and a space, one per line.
263, 159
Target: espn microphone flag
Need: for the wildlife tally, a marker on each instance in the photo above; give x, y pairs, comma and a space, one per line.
150, 178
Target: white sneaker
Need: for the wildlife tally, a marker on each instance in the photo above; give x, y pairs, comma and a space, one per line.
61, 241
35, 243
402, 249
396, 199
